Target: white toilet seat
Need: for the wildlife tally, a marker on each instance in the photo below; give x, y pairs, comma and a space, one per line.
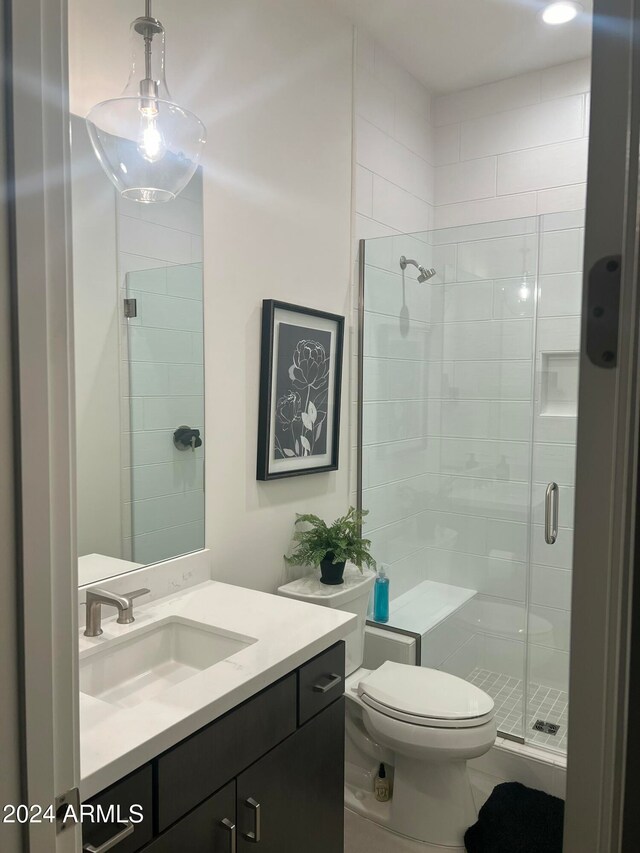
425, 697
425, 722
434, 743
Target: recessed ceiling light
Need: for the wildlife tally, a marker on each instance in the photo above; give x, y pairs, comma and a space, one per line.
561, 12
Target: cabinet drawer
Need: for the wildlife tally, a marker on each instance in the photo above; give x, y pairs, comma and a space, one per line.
200, 765
136, 790
208, 829
320, 682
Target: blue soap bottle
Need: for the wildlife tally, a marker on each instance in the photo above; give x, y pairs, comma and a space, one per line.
381, 597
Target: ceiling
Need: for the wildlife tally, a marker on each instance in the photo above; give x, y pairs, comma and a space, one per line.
457, 44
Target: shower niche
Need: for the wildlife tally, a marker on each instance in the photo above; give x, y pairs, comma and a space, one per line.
559, 383
467, 411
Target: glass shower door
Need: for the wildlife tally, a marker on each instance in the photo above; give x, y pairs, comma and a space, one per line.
557, 345
447, 416
468, 412
488, 400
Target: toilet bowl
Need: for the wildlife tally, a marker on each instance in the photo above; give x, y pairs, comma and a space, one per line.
428, 724
423, 724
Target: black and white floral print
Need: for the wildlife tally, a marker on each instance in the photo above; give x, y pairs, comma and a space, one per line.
310, 368
302, 392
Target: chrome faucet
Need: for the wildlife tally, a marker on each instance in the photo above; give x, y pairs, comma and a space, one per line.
97, 597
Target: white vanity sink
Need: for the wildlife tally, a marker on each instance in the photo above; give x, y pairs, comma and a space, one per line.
133, 668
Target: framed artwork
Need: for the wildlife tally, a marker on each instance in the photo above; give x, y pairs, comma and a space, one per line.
300, 383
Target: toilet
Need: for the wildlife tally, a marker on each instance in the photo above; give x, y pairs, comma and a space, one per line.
423, 724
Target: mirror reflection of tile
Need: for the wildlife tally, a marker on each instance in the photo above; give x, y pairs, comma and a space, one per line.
163, 387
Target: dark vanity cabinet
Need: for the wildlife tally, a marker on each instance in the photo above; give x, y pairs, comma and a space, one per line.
267, 777
209, 828
299, 788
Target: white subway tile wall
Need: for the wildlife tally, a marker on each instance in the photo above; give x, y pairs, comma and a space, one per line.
160, 266
395, 149
512, 148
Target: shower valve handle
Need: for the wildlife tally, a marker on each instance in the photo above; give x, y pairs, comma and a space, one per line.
185, 438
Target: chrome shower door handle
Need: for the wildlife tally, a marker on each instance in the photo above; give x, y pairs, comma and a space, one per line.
551, 513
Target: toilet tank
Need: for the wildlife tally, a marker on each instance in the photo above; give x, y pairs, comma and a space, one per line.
351, 596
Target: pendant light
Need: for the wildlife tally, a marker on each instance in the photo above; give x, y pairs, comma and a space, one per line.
148, 145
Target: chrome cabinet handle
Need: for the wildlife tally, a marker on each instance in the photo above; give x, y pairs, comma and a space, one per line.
231, 829
334, 680
254, 836
110, 843
551, 513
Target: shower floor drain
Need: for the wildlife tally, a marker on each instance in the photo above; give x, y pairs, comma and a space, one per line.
545, 727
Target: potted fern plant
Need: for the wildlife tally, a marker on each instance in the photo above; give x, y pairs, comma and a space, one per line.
330, 546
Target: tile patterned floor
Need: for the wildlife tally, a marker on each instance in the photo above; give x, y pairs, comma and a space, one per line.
544, 703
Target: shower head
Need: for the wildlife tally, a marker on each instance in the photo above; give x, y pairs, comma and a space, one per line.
425, 274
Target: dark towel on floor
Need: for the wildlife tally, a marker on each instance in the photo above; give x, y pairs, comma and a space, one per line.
517, 819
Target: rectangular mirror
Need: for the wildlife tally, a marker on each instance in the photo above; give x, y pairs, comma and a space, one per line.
138, 327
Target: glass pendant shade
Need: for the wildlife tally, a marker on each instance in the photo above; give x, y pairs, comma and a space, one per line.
148, 145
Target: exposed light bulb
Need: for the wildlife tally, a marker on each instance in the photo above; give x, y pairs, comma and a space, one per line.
148, 145
150, 141
561, 12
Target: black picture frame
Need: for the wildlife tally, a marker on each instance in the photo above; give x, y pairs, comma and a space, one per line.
299, 407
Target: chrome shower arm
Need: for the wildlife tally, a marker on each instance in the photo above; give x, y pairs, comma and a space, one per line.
405, 261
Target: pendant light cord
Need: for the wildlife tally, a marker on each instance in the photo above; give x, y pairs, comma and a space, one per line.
147, 42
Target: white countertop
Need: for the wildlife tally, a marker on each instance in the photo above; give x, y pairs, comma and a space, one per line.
97, 567
115, 741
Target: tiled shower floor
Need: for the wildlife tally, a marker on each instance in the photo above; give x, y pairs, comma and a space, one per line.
544, 703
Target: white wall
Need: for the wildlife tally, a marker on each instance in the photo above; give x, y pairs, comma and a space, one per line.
394, 146
273, 84
514, 148
517, 147
394, 181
